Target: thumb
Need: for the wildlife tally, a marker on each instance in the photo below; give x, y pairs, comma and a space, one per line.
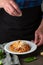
36, 38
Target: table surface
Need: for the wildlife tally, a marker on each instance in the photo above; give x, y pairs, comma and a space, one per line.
36, 54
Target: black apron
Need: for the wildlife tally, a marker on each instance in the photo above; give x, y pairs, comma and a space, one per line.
24, 27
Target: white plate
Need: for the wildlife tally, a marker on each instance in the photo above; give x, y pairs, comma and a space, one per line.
32, 45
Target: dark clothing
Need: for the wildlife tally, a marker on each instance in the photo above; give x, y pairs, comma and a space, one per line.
24, 27
28, 3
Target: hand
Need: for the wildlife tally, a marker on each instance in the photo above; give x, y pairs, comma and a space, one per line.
10, 7
39, 36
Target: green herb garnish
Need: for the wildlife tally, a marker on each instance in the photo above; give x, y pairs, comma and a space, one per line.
1, 51
30, 59
2, 55
1, 62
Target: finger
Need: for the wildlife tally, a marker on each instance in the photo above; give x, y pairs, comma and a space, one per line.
15, 6
8, 11
36, 38
10, 7
40, 41
13, 11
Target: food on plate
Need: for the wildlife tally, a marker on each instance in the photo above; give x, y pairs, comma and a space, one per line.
19, 46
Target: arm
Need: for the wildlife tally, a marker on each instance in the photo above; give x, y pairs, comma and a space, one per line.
39, 33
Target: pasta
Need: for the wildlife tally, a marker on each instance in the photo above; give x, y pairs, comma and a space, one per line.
19, 46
